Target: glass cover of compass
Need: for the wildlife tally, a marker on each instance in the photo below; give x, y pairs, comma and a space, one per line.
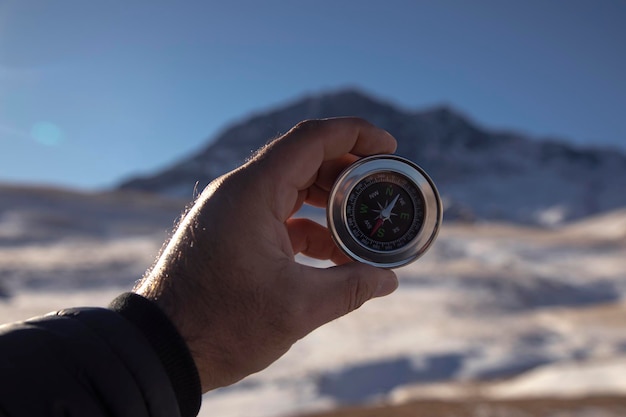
384, 210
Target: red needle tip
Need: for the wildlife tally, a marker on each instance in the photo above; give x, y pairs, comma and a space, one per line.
379, 223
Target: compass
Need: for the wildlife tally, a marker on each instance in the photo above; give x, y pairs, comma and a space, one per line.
384, 210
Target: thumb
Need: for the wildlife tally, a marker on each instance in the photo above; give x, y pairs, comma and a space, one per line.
338, 290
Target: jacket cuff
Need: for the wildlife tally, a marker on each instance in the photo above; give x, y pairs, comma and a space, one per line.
169, 346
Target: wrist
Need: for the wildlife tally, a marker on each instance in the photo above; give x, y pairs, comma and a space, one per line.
169, 346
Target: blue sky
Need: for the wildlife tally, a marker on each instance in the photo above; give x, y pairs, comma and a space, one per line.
95, 91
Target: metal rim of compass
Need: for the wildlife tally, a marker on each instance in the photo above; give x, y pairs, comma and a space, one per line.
337, 209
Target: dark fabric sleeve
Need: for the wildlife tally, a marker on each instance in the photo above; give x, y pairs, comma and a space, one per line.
93, 362
169, 346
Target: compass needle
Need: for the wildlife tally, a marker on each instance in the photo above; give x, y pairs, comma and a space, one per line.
379, 223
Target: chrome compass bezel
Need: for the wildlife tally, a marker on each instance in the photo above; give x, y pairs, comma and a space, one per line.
339, 212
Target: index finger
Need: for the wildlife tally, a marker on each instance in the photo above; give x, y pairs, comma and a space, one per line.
302, 150
294, 159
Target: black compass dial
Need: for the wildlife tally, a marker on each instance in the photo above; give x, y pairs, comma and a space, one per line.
384, 211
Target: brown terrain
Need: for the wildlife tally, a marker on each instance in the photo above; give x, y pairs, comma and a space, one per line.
609, 406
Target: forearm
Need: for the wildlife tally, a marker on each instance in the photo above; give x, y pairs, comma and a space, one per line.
123, 361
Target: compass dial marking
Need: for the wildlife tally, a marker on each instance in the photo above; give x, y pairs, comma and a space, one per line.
390, 211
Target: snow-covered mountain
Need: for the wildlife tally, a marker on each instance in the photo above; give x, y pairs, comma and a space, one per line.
481, 173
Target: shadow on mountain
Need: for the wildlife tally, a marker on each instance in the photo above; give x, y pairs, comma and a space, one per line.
541, 292
4, 293
495, 293
361, 382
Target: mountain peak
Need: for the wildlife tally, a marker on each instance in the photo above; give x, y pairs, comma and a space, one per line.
349, 97
481, 174
345, 94
343, 102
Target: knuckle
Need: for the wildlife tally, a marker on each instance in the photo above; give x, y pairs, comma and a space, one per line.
306, 126
358, 291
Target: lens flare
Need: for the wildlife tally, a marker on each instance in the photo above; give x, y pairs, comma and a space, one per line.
47, 133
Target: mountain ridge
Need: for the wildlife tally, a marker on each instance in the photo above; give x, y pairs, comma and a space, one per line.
481, 173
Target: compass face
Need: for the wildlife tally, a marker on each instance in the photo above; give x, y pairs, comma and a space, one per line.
384, 211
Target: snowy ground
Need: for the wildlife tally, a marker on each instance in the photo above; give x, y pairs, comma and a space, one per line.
495, 311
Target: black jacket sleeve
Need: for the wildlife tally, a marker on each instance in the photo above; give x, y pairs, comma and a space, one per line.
127, 360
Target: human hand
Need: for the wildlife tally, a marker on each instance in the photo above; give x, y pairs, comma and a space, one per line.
228, 278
